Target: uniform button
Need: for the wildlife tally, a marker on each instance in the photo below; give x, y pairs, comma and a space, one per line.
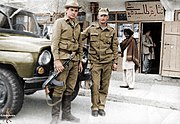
98, 57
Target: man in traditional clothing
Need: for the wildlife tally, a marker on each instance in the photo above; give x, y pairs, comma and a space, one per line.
130, 62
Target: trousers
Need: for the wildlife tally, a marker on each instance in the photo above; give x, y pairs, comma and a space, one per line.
128, 78
69, 77
101, 74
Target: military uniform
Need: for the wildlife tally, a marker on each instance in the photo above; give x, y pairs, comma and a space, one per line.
103, 52
66, 39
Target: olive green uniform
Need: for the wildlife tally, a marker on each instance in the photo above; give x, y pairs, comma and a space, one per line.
103, 52
66, 39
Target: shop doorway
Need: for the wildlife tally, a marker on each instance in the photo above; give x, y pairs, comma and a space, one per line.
156, 29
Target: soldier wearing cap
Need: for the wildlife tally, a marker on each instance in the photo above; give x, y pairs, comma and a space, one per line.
66, 39
103, 56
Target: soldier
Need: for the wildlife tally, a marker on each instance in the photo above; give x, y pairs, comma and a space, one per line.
103, 53
66, 40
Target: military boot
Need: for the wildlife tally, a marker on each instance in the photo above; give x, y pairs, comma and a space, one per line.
55, 109
66, 110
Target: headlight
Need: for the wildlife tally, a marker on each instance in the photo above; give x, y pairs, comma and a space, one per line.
44, 58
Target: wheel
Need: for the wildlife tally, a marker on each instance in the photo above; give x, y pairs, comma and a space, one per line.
76, 90
11, 93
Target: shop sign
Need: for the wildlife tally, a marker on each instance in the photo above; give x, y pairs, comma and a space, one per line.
140, 11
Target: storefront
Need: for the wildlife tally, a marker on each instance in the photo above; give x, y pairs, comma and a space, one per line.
142, 16
150, 16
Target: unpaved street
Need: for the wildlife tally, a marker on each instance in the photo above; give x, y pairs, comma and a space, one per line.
36, 111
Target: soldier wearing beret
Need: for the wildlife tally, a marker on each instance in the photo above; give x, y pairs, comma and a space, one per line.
66, 40
103, 57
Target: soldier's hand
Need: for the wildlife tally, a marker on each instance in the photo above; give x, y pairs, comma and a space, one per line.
80, 67
114, 67
58, 65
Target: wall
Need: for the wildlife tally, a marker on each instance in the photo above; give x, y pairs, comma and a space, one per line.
117, 6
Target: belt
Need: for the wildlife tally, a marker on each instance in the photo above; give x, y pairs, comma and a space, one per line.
66, 51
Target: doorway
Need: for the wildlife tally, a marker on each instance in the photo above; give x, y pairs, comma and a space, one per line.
156, 29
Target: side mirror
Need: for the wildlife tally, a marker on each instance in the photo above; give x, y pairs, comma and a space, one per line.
41, 29
44, 31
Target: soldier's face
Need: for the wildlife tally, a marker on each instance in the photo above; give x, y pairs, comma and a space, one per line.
103, 19
72, 13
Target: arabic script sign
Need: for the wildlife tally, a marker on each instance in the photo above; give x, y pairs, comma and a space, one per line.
138, 11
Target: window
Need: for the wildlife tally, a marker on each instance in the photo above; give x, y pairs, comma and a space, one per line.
4, 21
177, 15
81, 16
24, 23
112, 17
120, 30
121, 16
94, 17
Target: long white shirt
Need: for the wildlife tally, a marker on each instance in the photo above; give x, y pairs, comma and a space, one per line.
127, 64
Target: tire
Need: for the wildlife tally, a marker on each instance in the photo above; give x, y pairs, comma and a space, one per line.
76, 90
11, 93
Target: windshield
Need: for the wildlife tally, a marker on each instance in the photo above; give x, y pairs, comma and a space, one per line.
24, 23
18, 19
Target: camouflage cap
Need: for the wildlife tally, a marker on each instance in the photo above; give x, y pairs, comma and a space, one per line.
103, 11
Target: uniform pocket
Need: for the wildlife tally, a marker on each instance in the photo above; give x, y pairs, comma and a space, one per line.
72, 46
109, 39
108, 51
92, 52
63, 45
93, 36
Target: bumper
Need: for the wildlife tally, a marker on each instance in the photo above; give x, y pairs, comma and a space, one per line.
34, 83
35, 79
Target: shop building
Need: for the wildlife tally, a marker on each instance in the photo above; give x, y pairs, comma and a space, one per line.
161, 17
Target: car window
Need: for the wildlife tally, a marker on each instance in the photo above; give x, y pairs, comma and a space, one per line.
4, 21
24, 23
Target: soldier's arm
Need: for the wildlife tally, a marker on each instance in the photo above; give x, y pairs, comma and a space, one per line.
115, 47
85, 33
80, 48
56, 39
80, 67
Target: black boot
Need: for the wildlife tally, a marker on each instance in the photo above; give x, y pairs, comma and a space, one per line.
66, 110
55, 110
